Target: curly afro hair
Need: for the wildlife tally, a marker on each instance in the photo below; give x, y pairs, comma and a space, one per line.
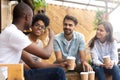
41, 17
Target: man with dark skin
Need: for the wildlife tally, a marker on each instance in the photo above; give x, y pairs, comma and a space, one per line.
13, 41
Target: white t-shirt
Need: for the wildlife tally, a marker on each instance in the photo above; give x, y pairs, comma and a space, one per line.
36, 58
12, 42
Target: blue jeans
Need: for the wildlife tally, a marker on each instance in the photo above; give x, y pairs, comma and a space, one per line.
100, 72
55, 73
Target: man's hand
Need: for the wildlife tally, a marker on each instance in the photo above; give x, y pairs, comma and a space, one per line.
86, 66
70, 65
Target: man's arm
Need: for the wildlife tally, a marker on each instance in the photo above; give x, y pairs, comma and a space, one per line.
82, 55
85, 65
26, 57
57, 50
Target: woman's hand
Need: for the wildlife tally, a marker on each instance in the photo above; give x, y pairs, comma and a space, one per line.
51, 33
102, 65
110, 65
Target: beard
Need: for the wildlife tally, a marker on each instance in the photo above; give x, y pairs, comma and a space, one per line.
67, 31
27, 26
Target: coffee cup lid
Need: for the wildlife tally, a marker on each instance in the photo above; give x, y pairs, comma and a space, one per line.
84, 73
70, 57
91, 72
106, 56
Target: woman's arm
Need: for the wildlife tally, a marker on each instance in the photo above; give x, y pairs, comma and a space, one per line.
114, 52
94, 53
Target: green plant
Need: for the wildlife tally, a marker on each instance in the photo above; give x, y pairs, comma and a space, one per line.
98, 18
90, 61
38, 4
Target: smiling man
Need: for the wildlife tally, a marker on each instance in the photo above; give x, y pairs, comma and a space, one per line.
71, 43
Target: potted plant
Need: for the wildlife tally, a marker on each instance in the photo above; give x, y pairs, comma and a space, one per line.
100, 16
39, 6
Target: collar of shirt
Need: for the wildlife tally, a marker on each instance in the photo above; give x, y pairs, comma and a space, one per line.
64, 39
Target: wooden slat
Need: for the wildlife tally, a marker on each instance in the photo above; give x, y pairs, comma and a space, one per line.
72, 76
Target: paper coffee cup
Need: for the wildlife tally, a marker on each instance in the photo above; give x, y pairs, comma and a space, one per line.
71, 62
84, 75
91, 75
106, 60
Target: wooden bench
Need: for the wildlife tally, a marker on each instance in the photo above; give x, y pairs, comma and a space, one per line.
76, 76
15, 71
72, 76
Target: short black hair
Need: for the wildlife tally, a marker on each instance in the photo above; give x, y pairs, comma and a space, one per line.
41, 17
20, 10
69, 17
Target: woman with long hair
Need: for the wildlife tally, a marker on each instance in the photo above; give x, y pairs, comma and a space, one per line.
104, 44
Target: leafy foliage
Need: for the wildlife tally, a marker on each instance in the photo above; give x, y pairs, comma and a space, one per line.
98, 18
39, 3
